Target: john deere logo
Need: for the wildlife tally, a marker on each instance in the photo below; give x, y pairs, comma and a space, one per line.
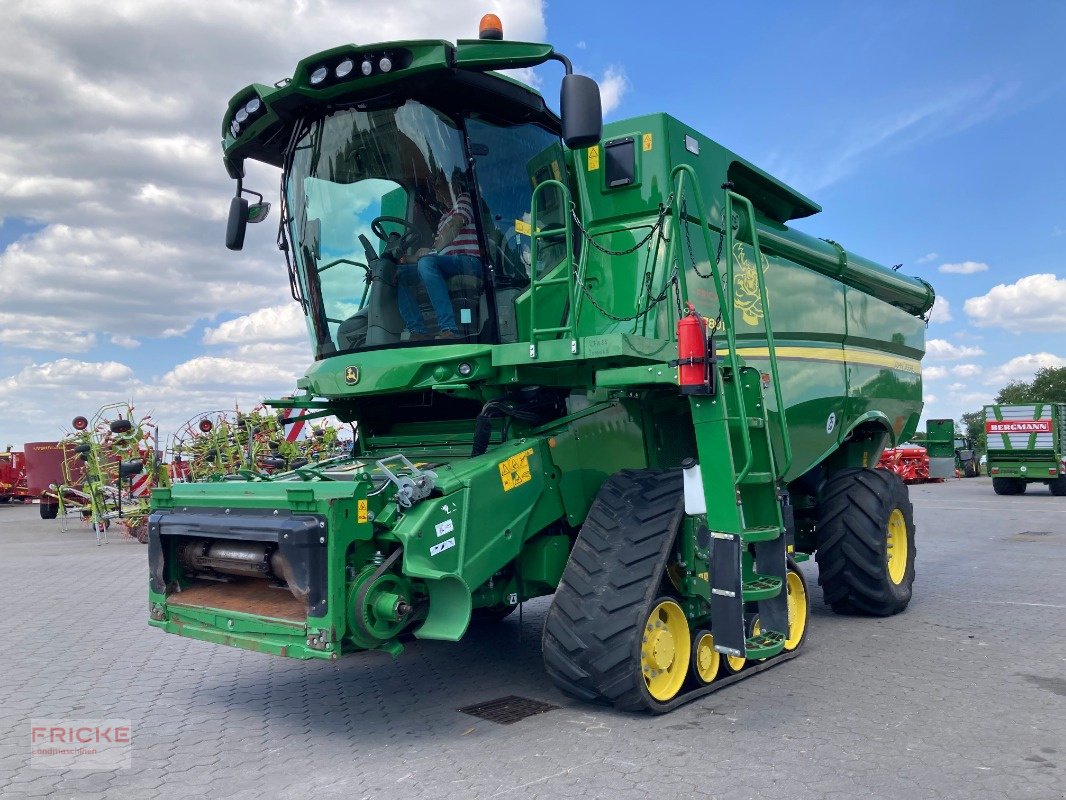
351, 375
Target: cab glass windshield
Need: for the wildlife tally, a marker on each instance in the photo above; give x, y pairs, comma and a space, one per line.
381, 213
410, 226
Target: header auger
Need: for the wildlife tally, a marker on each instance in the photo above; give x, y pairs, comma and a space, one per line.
501, 301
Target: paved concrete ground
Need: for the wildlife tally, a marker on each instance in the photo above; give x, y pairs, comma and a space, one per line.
962, 696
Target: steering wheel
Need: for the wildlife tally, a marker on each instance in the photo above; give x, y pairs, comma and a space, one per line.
379, 230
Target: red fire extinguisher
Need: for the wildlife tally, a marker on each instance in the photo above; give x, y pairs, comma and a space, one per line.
695, 354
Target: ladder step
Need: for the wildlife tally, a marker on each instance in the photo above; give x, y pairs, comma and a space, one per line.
762, 587
753, 478
764, 644
762, 534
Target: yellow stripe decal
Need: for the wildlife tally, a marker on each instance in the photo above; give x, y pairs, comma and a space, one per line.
847, 355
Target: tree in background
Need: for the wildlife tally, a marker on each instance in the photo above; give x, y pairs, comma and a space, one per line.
1047, 386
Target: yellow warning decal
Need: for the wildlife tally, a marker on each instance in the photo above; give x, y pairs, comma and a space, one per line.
594, 158
556, 171
514, 471
362, 512
647, 142
523, 227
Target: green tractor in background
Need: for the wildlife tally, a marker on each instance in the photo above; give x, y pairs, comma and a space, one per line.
594, 363
951, 454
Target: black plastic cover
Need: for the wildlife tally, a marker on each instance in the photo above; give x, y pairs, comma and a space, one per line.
302, 541
579, 106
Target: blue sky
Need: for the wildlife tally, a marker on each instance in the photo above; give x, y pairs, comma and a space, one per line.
931, 134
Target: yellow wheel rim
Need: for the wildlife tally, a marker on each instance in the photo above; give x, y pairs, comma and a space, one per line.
664, 653
897, 546
736, 663
797, 610
707, 660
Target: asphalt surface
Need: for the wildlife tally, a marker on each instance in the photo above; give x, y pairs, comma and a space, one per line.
961, 696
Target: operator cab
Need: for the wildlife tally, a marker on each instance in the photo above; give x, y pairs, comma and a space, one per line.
409, 221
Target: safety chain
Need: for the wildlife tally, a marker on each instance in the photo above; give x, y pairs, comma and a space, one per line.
688, 242
692, 257
664, 209
614, 317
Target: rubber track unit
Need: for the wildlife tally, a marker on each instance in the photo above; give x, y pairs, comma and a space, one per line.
594, 628
853, 510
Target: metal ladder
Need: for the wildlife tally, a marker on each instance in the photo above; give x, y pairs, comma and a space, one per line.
748, 554
563, 273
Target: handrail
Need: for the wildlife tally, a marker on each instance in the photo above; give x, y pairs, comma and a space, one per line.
725, 298
730, 198
725, 292
536, 282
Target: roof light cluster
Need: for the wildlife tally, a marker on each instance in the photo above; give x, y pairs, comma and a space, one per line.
353, 66
245, 115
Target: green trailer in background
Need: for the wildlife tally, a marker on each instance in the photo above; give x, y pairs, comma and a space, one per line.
645, 394
1026, 444
950, 454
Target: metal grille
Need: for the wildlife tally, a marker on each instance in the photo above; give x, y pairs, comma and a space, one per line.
507, 710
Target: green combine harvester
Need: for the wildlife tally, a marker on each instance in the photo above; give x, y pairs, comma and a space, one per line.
582, 361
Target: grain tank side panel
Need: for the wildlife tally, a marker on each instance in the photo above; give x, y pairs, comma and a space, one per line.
884, 347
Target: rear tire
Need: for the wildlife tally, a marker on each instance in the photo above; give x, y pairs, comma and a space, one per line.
49, 510
1058, 486
5, 499
1008, 486
865, 538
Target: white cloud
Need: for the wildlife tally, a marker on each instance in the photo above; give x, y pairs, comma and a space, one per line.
613, 86
930, 398
964, 268
1033, 303
114, 151
943, 350
125, 341
927, 258
1022, 368
934, 373
277, 323
40, 333
941, 310
225, 371
967, 370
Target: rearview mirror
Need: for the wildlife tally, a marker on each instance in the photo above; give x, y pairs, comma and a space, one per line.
238, 223
579, 106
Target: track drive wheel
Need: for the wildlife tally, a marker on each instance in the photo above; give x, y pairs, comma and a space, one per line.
611, 634
865, 542
706, 661
799, 608
664, 650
